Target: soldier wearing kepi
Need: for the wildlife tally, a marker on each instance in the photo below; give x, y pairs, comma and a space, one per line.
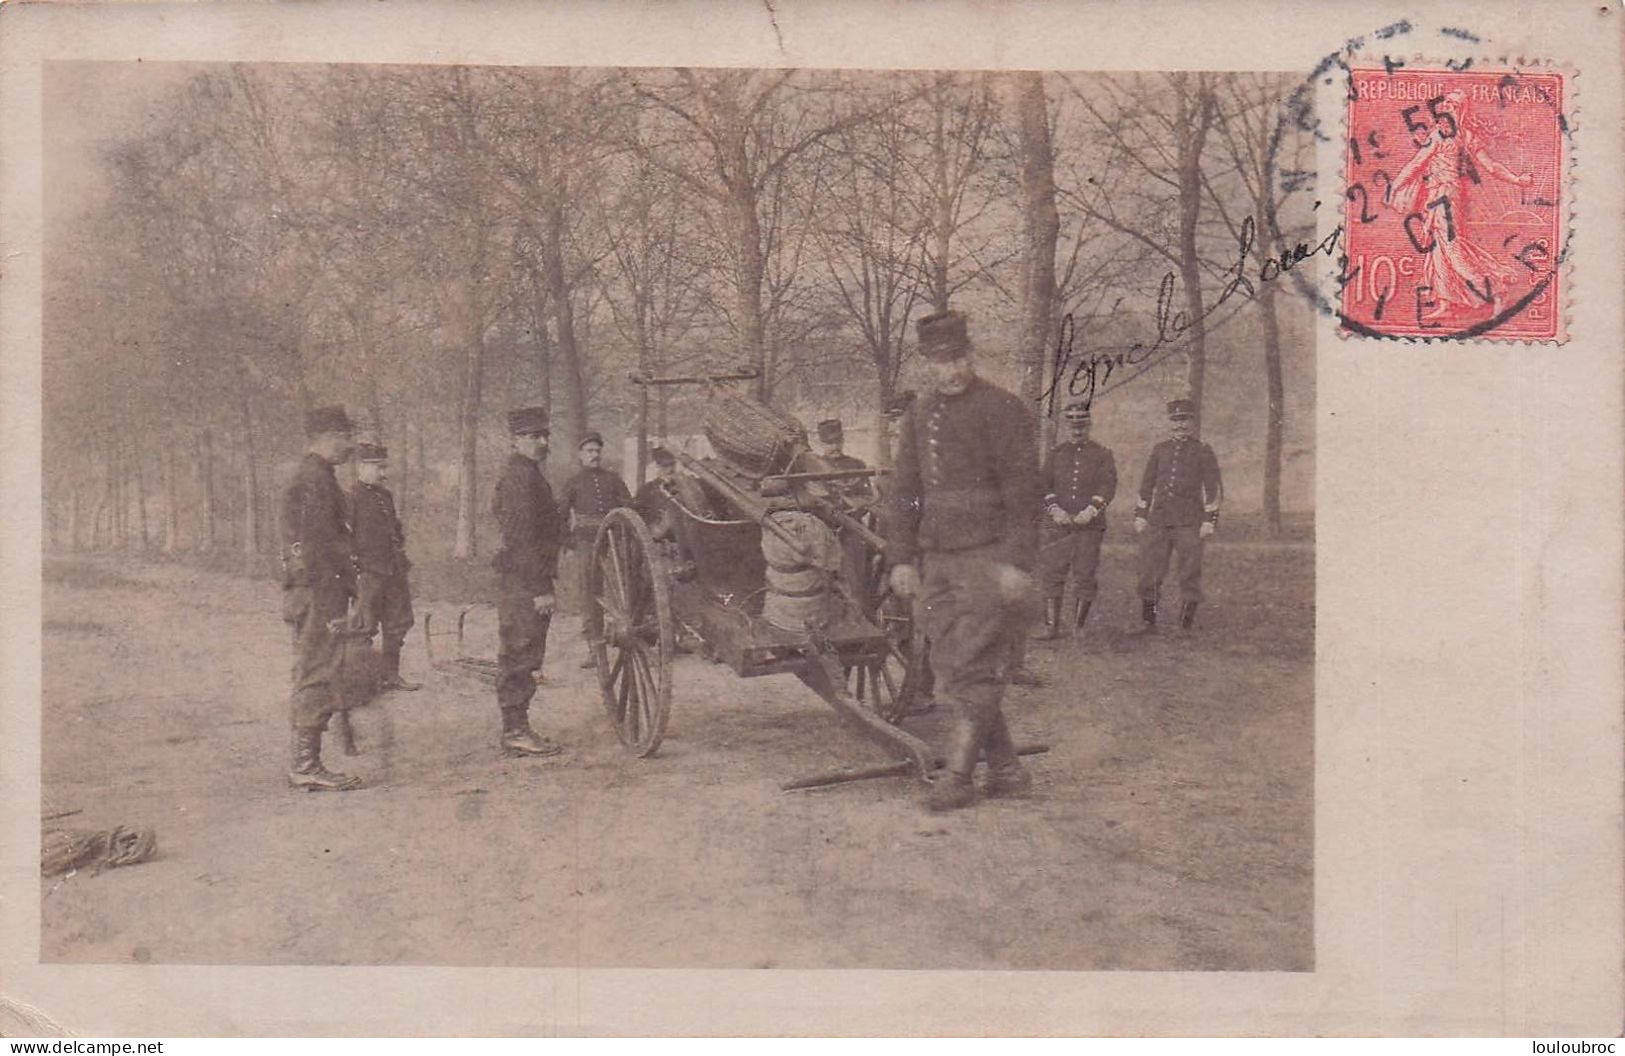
1178, 510
385, 597
651, 501
531, 532
832, 438
961, 504
589, 495
319, 579
1079, 481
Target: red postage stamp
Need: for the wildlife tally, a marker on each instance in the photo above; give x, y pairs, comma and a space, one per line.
1454, 205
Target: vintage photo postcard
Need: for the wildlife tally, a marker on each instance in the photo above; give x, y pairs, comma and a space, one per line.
812, 519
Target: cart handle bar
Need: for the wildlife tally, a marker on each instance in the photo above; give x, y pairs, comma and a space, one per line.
831, 474
647, 377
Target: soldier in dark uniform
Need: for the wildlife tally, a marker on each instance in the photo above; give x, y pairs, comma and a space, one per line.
589, 495
1178, 509
1079, 481
319, 579
651, 499
385, 596
532, 531
832, 438
961, 503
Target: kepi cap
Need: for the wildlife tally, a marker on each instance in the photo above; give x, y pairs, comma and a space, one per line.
365, 452
943, 336
591, 438
528, 420
662, 457
1076, 411
329, 419
1181, 410
829, 430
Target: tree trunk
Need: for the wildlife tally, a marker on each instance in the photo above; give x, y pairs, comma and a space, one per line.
172, 505
206, 480
1041, 225
141, 500
942, 218
75, 518
251, 486
1193, 114
558, 290
1277, 408
749, 272
468, 422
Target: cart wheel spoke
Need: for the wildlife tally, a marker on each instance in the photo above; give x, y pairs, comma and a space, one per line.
633, 595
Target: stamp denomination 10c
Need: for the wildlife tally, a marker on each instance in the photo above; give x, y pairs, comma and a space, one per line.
1454, 203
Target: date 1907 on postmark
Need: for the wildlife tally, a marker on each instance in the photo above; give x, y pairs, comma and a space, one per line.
1454, 204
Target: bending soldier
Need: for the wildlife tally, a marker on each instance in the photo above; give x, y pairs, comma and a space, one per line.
526, 564
318, 582
1080, 481
1178, 509
961, 504
385, 596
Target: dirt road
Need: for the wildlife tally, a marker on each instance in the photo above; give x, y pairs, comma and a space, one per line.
1170, 829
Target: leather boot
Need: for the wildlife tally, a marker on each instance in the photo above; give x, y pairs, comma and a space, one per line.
1187, 617
1016, 672
1148, 618
390, 656
1005, 774
307, 771
1052, 620
952, 788
1080, 614
519, 739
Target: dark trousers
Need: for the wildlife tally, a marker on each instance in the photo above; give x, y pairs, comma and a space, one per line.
972, 630
1069, 551
522, 645
386, 605
1158, 545
317, 655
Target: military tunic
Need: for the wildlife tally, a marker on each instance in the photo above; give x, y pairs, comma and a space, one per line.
963, 497
319, 578
591, 494
1180, 489
531, 531
1076, 477
384, 595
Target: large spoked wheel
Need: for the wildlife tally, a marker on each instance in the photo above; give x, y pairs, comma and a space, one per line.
631, 631
891, 686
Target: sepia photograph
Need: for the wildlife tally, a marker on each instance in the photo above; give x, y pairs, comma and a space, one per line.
713, 518
812, 519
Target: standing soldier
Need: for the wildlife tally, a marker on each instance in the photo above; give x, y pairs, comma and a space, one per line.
1178, 509
385, 597
962, 498
530, 526
651, 500
1080, 481
590, 495
318, 582
832, 438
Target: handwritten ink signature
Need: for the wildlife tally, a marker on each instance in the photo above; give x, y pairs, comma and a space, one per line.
1091, 375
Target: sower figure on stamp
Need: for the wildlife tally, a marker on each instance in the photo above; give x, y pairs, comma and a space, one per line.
960, 525
385, 596
589, 495
1178, 509
531, 530
1080, 481
319, 579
